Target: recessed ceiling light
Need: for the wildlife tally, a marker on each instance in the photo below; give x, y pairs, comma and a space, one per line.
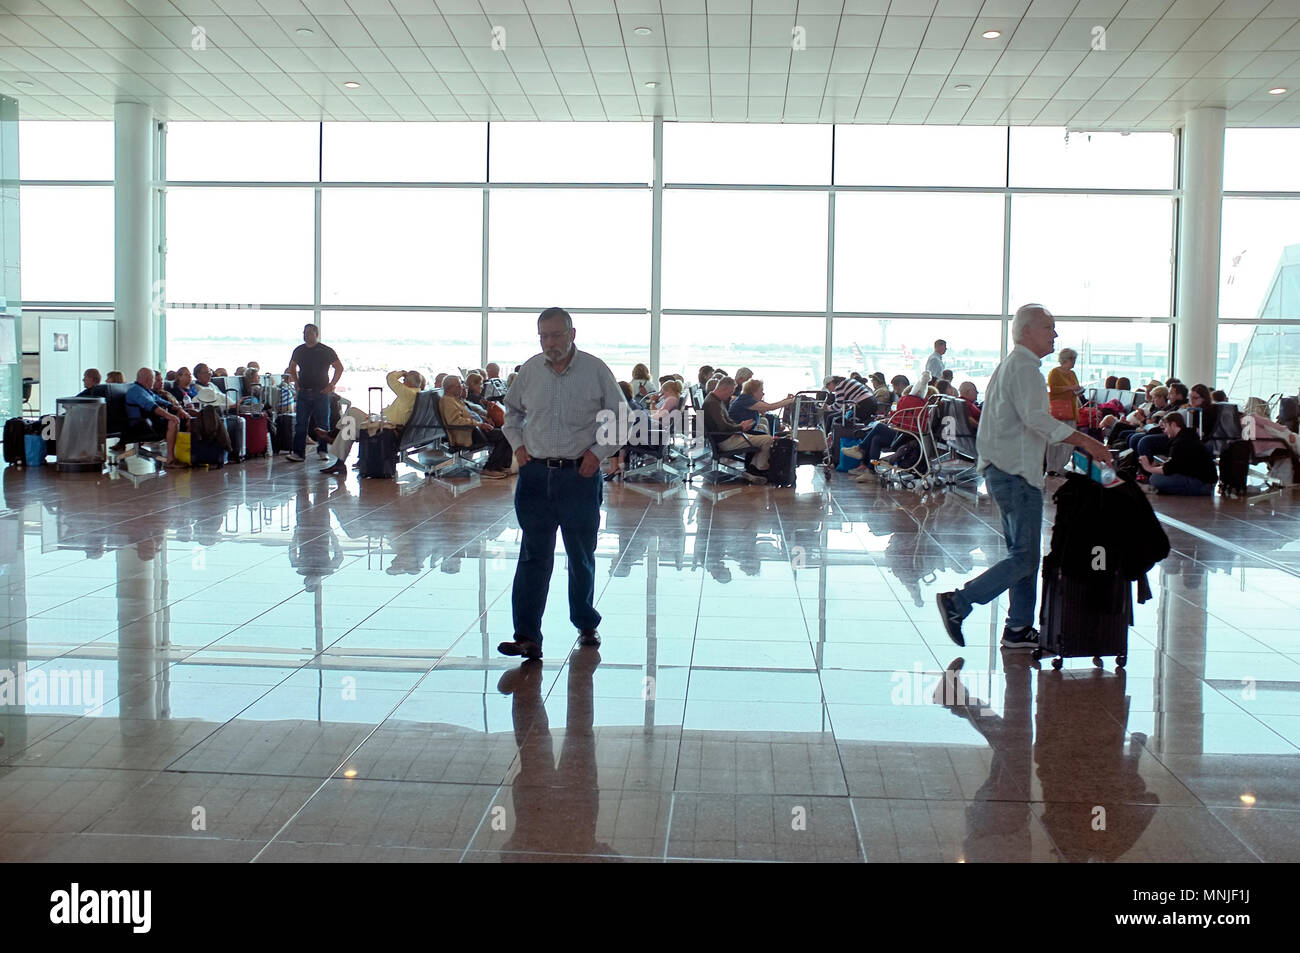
1248, 799
962, 87
991, 34
1277, 91
303, 31
352, 84
651, 85
643, 31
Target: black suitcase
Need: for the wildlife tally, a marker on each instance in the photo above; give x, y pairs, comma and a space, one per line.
1234, 464
781, 464
378, 454
15, 434
282, 435
1082, 617
204, 454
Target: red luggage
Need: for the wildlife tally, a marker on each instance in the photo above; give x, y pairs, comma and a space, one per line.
257, 440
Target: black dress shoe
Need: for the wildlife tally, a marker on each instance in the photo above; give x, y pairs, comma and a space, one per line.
338, 469
589, 638
524, 647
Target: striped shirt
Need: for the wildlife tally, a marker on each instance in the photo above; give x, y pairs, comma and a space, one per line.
555, 415
849, 391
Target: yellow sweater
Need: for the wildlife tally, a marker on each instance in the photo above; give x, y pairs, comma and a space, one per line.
399, 411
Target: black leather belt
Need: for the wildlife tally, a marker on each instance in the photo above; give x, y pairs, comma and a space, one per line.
558, 463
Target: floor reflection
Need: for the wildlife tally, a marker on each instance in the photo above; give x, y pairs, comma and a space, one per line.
259, 624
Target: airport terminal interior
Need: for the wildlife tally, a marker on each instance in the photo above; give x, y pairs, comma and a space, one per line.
264, 662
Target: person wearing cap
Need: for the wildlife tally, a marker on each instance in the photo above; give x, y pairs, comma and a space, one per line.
554, 412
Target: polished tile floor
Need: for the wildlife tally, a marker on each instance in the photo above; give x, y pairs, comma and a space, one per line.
260, 664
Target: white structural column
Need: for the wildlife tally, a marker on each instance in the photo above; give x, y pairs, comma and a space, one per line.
132, 237
656, 247
1197, 297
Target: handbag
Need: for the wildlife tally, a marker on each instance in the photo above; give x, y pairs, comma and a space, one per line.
1062, 408
496, 415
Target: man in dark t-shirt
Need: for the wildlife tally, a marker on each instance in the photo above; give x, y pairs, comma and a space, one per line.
310, 366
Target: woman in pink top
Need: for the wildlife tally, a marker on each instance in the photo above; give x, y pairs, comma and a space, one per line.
670, 396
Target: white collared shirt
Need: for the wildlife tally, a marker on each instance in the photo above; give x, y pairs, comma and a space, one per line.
1016, 424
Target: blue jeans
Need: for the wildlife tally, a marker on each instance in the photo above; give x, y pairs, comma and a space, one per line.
1180, 484
547, 499
312, 405
879, 438
1021, 505
1149, 444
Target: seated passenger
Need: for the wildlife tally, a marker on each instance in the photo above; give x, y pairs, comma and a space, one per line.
882, 436
206, 393
493, 387
182, 388
183, 414
464, 431
474, 396
847, 392
405, 384
750, 405
970, 394
90, 378
148, 416
253, 385
640, 381
1190, 469
880, 390
115, 377
668, 399
718, 423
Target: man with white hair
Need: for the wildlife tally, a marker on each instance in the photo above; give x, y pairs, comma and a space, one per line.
1015, 429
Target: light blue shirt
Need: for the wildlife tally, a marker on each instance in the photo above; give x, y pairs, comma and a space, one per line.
556, 415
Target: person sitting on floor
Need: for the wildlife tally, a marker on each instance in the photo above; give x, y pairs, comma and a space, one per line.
1190, 469
464, 431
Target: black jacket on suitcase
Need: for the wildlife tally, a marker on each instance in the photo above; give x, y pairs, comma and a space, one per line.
1103, 540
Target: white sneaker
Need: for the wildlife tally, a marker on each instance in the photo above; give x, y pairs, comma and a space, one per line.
854, 452
322, 455
294, 458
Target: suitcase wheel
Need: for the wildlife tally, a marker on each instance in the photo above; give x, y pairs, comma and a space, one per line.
1038, 654
1096, 660
1057, 662
1120, 660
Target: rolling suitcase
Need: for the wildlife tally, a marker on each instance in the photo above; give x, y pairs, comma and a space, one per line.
15, 431
1082, 617
235, 428
781, 465
282, 436
1234, 464
378, 452
256, 431
205, 454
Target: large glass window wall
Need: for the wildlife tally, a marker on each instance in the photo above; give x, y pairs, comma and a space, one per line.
796, 251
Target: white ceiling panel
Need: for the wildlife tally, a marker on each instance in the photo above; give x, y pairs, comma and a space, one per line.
853, 60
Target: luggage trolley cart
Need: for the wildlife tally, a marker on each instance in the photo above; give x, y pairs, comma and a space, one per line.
808, 421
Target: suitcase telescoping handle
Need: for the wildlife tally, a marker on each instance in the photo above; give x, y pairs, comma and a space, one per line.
370, 401
232, 394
